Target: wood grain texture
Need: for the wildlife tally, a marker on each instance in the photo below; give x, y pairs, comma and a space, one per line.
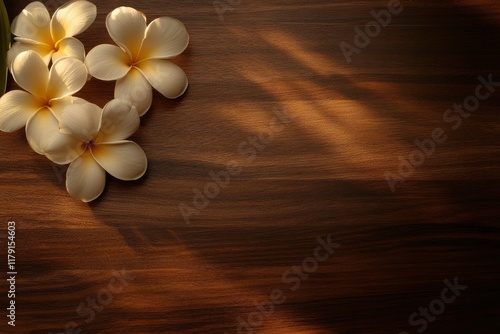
321, 174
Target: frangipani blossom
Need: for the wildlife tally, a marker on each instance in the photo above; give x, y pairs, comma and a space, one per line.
93, 141
52, 38
47, 94
139, 60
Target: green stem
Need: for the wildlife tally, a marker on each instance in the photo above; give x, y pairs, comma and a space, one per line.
4, 46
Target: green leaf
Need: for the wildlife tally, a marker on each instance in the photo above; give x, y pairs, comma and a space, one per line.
4, 46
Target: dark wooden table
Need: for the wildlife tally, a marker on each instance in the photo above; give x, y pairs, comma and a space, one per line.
306, 235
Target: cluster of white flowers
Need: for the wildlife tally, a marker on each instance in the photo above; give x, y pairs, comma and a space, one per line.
50, 65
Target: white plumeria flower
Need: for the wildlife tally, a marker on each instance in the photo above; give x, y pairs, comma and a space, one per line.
47, 94
93, 141
52, 38
140, 60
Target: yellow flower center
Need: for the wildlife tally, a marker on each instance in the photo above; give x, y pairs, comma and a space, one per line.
86, 145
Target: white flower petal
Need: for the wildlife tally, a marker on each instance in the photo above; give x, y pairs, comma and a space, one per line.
39, 128
81, 120
72, 19
44, 50
70, 47
124, 160
127, 26
107, 62
79, 100
33, 23
135, 88
165, 38
166, 77
63, 148
119, 121
29, 41
58, 106
16, 107
31, 73
85, 178
67, 76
